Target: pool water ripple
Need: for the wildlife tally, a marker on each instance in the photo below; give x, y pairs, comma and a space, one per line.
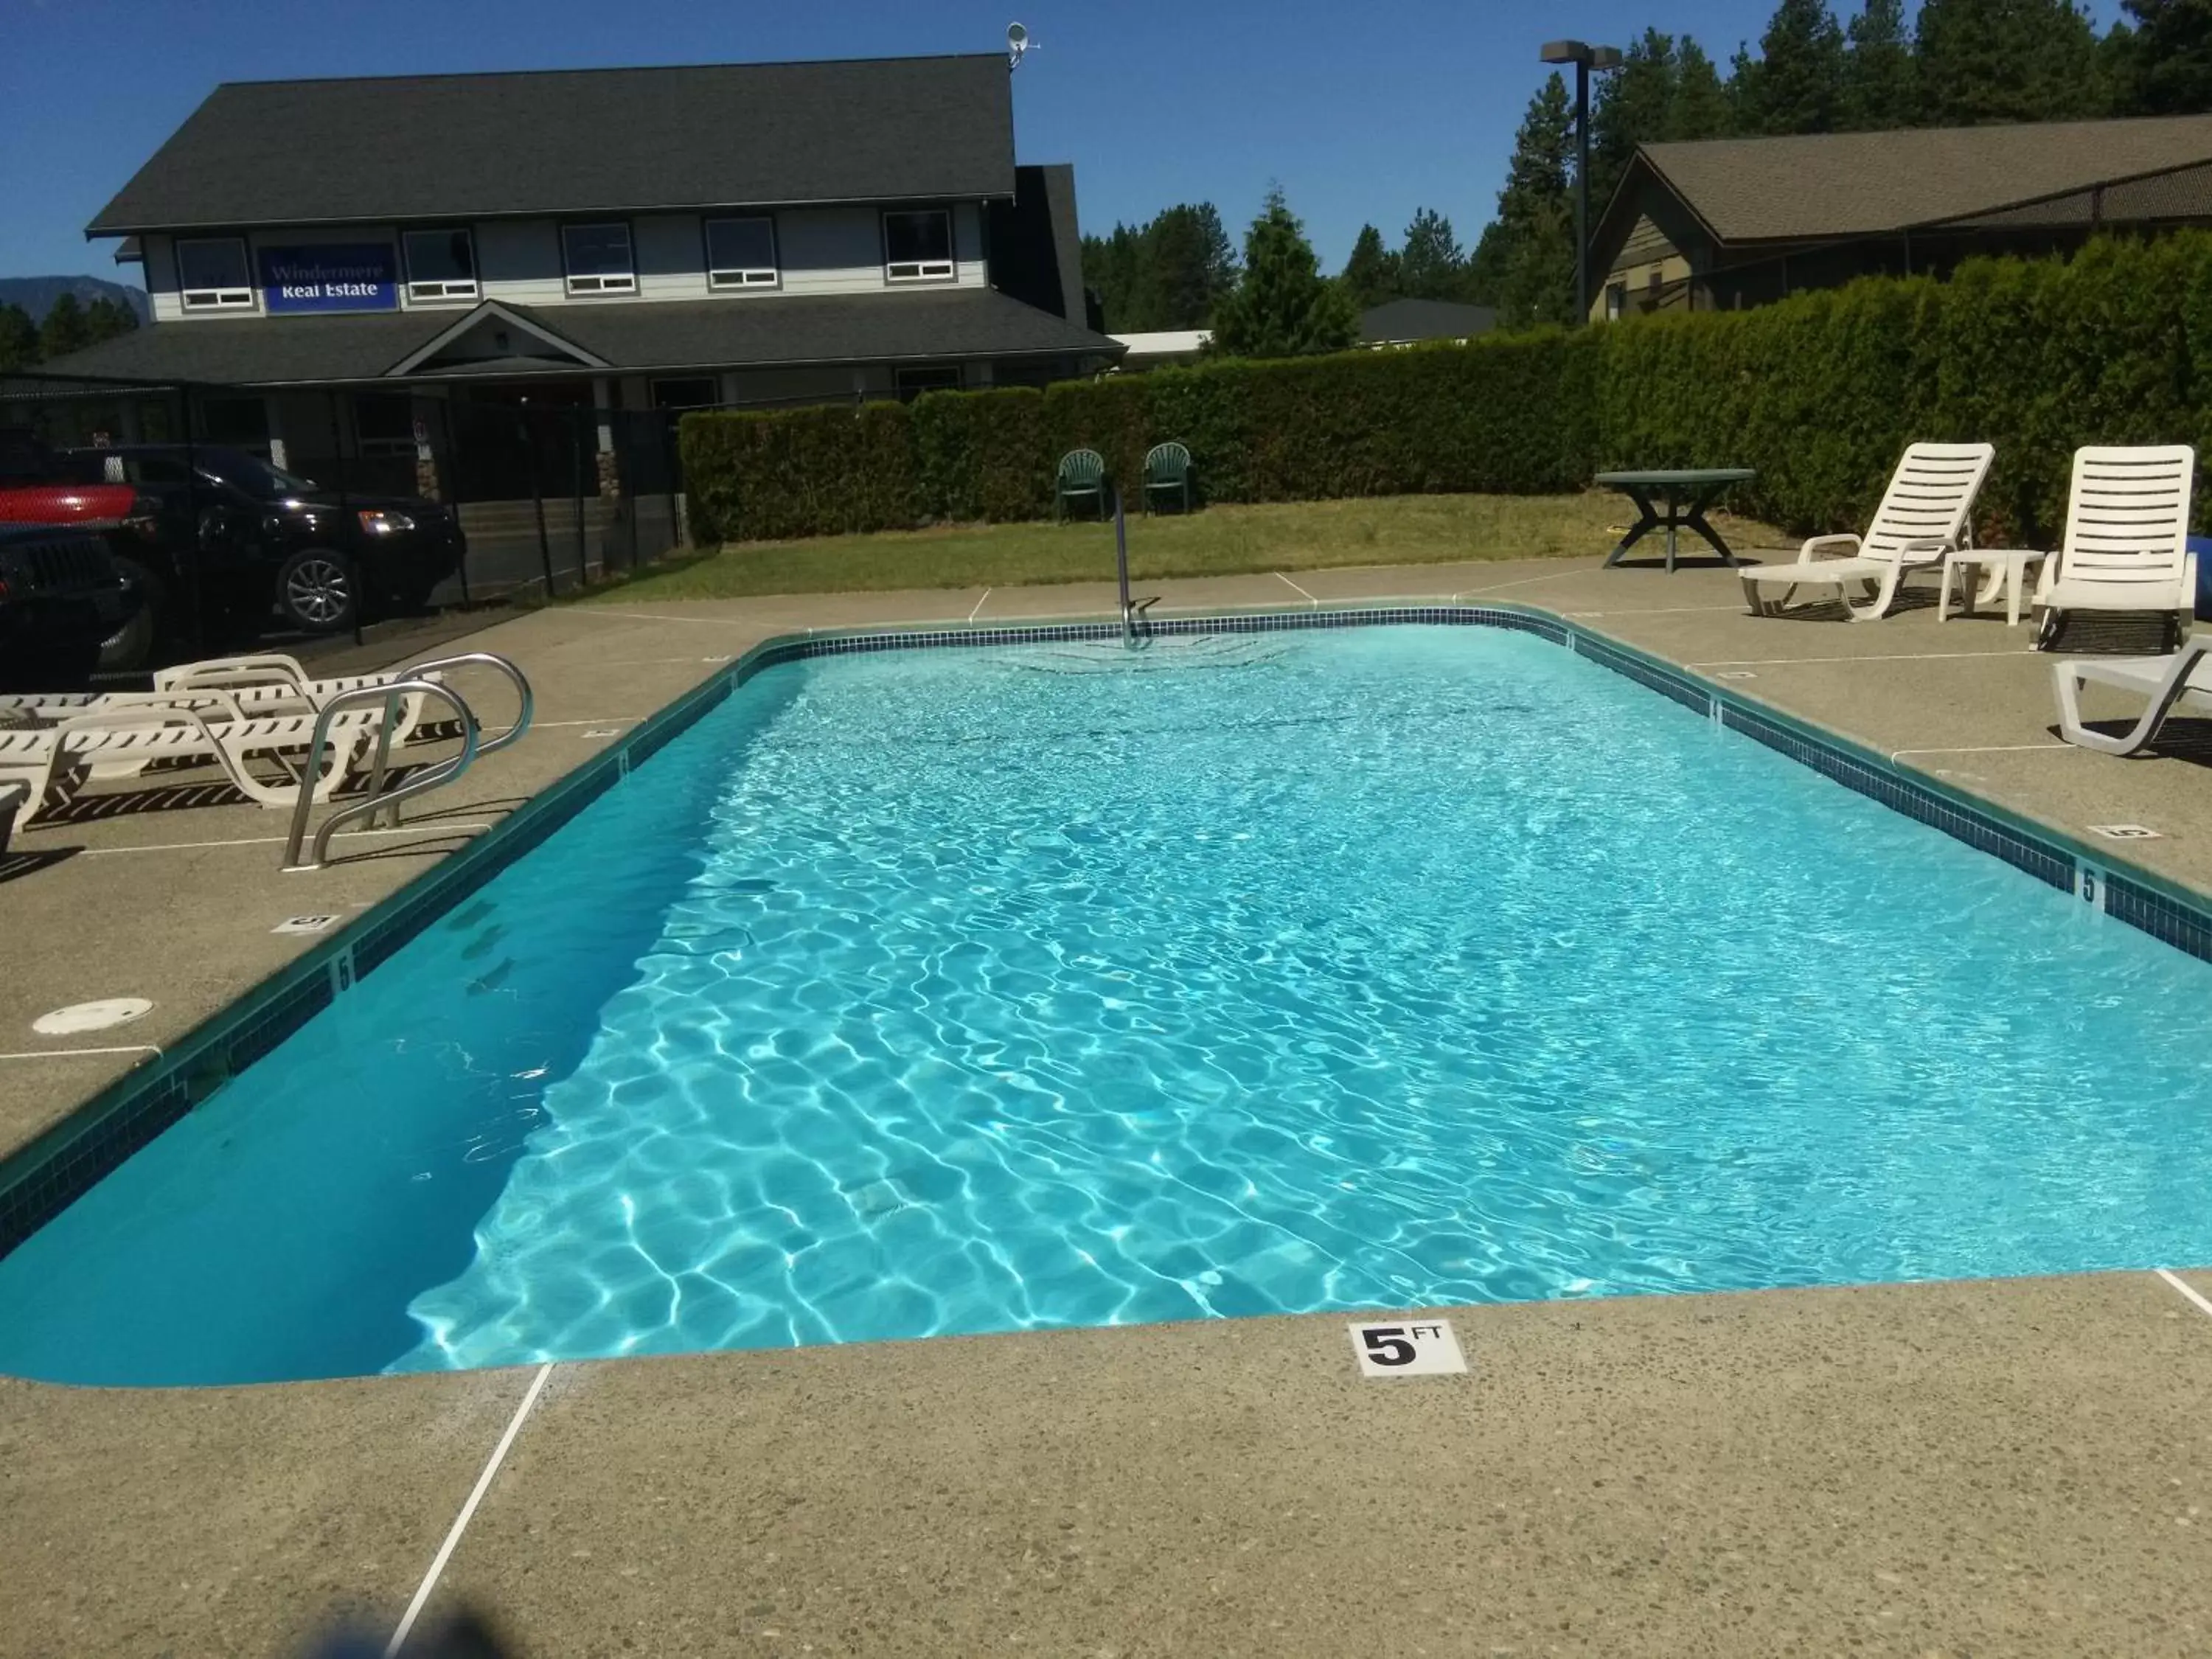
976, 991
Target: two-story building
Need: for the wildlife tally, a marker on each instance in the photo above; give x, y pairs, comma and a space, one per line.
339, 266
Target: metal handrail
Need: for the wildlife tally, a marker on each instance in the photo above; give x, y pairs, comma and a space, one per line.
486, 659
1121, 570
430, 778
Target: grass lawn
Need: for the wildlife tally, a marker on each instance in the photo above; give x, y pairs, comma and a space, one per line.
1217, 542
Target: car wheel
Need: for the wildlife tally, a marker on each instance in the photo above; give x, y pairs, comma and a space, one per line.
132, 644
316, 590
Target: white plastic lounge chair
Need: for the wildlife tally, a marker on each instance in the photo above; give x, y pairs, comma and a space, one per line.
124, 741
2126, 547
12, 797
250, 686
1924, 513
2184, 676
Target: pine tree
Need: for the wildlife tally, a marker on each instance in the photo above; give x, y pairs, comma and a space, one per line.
1192, 264
105, 319
1796, 83
2163, 65
1432, 265
1525, 262
1878, 90
2007, 60
1370, 276
1164, 274
1110, 270
64, 330
1282, 307
1635, 106
1701, 108
19, 338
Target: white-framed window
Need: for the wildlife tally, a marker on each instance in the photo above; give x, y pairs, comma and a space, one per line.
212, 274
441, 264
598, 259
1616, 301
918, 246
741, 252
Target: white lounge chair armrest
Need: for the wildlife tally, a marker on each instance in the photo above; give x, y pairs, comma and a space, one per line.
223, 704
1805, 551
270, 670
2045, 575
128, 716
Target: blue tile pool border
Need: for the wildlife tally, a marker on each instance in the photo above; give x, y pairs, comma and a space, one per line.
40, 1180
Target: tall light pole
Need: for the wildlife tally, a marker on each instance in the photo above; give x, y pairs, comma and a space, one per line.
1585, 58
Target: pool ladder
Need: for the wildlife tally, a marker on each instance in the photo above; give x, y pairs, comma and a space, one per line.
419, 683
1135, 630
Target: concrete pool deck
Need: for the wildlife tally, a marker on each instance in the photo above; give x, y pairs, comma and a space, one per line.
1994, 1467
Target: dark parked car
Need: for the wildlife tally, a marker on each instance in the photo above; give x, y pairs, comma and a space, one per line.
62, 595
257, 538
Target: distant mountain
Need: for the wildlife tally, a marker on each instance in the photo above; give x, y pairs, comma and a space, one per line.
37, 294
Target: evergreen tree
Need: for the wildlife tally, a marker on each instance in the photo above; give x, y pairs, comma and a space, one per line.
1486, 265
19, 338
1193, 265
105, 319
1370, 276
1700, 109
1796, 83
1878, 90
1110, 270
1743, 73
1525, 263
64, 330
2007, 60
2163, 65
1635, 106
1432, 265
1282, 306
1164, 274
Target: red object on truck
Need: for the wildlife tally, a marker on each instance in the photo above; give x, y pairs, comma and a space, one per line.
66, 503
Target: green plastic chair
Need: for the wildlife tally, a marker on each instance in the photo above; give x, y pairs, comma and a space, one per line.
1081, 472
1167, 466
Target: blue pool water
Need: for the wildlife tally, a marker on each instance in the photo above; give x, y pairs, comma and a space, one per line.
971, 991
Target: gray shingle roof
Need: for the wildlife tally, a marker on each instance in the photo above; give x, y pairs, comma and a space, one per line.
1424, 319
953, 322
858, 328
1856, 184
259, 350
578, 141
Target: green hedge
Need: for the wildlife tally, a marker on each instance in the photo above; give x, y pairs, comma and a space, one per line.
1819, 393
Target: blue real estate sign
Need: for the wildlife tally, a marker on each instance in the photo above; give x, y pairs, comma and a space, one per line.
331, 277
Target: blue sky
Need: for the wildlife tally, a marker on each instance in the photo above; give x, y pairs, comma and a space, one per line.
1358, 118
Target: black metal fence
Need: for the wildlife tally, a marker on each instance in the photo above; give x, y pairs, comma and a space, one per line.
551, 492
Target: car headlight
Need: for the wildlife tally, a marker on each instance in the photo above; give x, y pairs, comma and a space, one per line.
385, 524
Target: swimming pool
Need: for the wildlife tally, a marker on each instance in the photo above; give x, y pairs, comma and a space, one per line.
976, 990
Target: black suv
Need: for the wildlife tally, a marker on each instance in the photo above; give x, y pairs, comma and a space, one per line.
259, 538
61, 595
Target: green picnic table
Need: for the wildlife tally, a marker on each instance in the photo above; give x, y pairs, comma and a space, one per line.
1686, 493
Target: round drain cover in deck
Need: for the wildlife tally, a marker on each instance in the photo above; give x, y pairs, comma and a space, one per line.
91, 1015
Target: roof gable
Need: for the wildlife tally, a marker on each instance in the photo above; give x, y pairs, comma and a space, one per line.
1817, 187
581, 141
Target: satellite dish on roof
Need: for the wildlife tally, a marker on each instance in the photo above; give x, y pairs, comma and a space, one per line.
1017, 42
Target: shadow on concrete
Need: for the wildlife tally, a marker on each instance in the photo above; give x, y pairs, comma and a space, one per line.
14, 866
